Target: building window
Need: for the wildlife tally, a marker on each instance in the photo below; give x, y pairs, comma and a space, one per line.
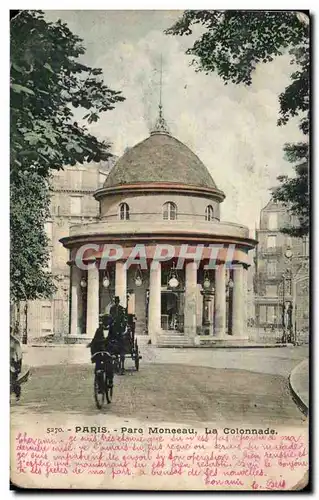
124, 211
271, 268
76, 178
288, 241
48, 227
46, 318
271, 241
262, 314
209, 213
273, 221
271, 290
305, 246
46, 315
271, 318
169, 211
75, 205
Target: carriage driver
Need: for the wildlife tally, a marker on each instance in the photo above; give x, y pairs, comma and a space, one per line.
119, 316
119, 325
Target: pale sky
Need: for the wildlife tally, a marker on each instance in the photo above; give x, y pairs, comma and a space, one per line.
231, 128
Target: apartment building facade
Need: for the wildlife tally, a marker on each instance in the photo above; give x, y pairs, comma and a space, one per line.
281, 272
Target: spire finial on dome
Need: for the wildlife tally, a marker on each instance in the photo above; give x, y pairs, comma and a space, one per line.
160, 124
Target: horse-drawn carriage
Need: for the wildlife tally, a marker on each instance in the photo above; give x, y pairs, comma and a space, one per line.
124, 344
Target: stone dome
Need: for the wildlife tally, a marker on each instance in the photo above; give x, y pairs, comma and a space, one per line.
160, 158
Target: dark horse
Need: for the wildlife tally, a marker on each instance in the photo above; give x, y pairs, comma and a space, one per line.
115, 342
119, 344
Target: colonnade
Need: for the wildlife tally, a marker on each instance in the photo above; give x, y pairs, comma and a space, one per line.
238, 303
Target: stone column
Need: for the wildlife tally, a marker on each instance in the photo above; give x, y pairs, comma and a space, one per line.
92, 311
238, 302
154, 305
190, 299
120, 281
76, 300
245, 300
212, 320
220, 301
199, 307
140, 308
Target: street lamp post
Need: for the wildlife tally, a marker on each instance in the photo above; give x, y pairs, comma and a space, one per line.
25, 332
229, 293
284, 335
208, 293
287, 309
83, 285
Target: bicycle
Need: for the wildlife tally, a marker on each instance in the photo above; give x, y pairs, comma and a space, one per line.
103, 378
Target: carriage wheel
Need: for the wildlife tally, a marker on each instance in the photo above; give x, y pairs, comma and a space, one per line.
137, 357
99, 389
109, 390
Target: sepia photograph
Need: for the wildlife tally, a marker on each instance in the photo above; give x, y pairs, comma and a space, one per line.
159, 250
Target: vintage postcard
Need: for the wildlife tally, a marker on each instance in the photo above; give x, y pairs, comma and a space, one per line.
159, 250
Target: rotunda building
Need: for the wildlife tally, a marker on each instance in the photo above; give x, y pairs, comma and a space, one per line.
160, 246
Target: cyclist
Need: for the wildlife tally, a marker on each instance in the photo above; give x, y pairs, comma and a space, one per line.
100, 344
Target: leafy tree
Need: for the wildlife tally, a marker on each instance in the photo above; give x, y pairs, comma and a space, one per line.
29, 258
232, 45
47, 82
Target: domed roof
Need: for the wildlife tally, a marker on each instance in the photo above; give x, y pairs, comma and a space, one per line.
160, 158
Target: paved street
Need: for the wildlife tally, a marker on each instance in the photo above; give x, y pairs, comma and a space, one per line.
173, 385
277, 361
162, 392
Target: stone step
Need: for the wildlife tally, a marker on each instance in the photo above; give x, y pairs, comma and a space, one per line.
172, 333
169, 337
173, 346
174, 341
142, 339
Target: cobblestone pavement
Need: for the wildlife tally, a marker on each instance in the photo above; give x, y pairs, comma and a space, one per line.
277, 361
162, 393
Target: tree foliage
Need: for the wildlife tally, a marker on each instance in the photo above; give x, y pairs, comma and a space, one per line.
29, 256
48, 81
232, 44
294, 192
